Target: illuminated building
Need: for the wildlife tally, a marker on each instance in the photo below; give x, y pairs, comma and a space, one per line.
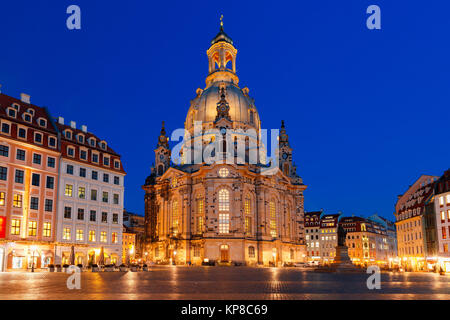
29, 162
415, 230
128, 245
135, 223
312, 235
328, 237
442, 209
90, 199
224, 212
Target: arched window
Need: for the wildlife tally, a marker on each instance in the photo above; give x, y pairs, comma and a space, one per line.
224, 200
273, 219
160, 170
175, 218
199, 212
248, 218
251, 252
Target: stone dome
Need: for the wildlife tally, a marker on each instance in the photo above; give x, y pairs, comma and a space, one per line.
242, 112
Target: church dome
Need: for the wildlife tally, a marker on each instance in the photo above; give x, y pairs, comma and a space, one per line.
242, 112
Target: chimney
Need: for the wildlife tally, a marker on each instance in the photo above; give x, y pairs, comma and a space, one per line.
25, 98
73, 124
84, 128
60, 120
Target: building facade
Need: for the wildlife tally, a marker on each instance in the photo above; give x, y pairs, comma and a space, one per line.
414, 230
208, 210
29, 162
328, 237
135, 224
90, 198
442, 209
312, 235
128, 246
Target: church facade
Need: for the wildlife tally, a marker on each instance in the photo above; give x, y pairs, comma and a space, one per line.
223, 201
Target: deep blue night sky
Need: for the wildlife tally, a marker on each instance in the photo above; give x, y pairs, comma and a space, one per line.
367, 111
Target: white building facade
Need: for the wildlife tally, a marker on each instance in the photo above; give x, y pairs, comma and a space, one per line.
90, 199
442, 209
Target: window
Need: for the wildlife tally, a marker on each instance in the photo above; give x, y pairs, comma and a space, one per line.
105, 197
116, 198
37, 158
38, 137
444, 234
5, 128
47, 231
224, 223
35, 179
22, 133
93, 216
273, 221
103, 237
117, 164
94, 195
105, 177
51, 162
80, 235
95, 157
48, 205
50, 182
18, 178
67, 212
52, 141
17, 201
83, 172
15, 227
68, 135
197, 251
34, 203
12, 113
199, 224
92, 142
66, 234
4, 151
3, 173
68, 190
175, 218
32, 228
92, 235
27, 117
116, 180
103, 145
20, 155
94, 175
105, 217
106, 161
69, 169
2, 198
223, 172
83, 155
224, 200
80, 215
70, 152
114, 237
115, 218
248, 225
251, 252
80, 138
82, 192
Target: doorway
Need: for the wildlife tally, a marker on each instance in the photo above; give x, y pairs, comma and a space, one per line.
224, 253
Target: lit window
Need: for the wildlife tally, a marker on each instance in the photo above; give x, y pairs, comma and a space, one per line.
66, 234
273, 221
248, 225
441, 201
17, 201
223, 172
175, 218
15, 227
81, 192
103, 237
80, 235
92, 235
224, 223
68, 190
2, 198
251, 252
114, 237
199, 224
32, 228
224, 200
47, 231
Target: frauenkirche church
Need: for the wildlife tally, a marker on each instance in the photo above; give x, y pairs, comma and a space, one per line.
224, 212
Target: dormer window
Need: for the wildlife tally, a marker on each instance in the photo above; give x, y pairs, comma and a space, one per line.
92, 142
15, 106
103, 145
27, 117
68, 134
30, 111
117, 164
80, 138
42, 122
12, 112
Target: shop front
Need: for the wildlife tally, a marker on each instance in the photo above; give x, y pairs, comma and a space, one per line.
22, 257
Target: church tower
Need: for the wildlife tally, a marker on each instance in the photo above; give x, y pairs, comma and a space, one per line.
162, 153
285, 152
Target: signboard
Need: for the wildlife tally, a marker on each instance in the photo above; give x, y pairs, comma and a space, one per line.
2, 227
